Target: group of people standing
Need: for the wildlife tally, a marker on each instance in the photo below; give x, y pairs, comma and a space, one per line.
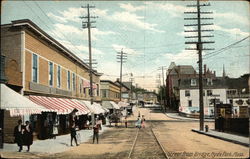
23, 135
140, 123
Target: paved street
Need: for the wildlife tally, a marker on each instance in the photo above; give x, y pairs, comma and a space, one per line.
175, 136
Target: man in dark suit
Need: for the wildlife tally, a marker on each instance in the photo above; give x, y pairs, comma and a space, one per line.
18, 134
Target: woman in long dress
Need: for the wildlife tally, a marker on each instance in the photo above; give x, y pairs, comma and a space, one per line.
28, 135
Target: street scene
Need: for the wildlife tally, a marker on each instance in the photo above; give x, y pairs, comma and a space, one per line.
125, 79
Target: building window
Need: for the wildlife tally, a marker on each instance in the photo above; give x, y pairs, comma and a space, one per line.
58, 76
34, 68
68, 80
209, 82
74, 81
193, 82
187, 93
104, 93
97, 89
51, 68
209, 93
81, 85
190, 103
84, 91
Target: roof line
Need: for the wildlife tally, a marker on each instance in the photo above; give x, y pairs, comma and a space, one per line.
37, 29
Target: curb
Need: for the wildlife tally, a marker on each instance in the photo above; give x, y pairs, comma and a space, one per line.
188, 119
222, 138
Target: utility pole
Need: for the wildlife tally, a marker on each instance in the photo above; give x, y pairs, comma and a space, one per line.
121, 57
163, 87
87, 24
131, 92
199, 47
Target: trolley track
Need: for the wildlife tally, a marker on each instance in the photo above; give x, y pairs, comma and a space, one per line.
147, 145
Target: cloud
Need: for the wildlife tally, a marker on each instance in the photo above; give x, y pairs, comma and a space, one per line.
130, 8
125, 49
172, 9
80, 50
183, 57
232, 31
133, 19
231, 17
74, 14
63, 31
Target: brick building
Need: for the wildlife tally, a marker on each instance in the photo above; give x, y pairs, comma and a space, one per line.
175, 74
36, 65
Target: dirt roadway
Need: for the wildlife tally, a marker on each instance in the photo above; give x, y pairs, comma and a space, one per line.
176, 137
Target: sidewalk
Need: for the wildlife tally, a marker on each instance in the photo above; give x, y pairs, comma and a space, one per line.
60, 144
225, 136
177, 116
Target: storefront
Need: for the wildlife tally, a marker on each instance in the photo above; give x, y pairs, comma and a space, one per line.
14, 107
59, 117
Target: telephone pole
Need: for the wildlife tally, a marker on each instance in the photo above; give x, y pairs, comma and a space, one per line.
199, 47
121, 57
163, 87
87, 24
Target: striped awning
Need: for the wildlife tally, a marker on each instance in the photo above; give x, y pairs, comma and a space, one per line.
60, 105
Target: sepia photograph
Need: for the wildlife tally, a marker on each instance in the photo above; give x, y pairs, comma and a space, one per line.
125, 79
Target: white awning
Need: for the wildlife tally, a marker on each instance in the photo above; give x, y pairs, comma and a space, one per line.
94, 108
17, 104
115, 106
123, 104
98, 108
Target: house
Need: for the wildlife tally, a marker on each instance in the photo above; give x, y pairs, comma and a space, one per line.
214, 92
46, 72
175, 74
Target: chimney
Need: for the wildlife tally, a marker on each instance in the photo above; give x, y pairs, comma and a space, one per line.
205, 69
214, 74
118, 79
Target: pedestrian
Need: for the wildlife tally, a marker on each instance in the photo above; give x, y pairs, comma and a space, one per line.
55, 129
96, 132
143, 121
126, 122
138, 123
221, 123
18, 134
73, 134
28, 135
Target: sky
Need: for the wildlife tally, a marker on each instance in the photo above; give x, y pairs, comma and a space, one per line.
150, 32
